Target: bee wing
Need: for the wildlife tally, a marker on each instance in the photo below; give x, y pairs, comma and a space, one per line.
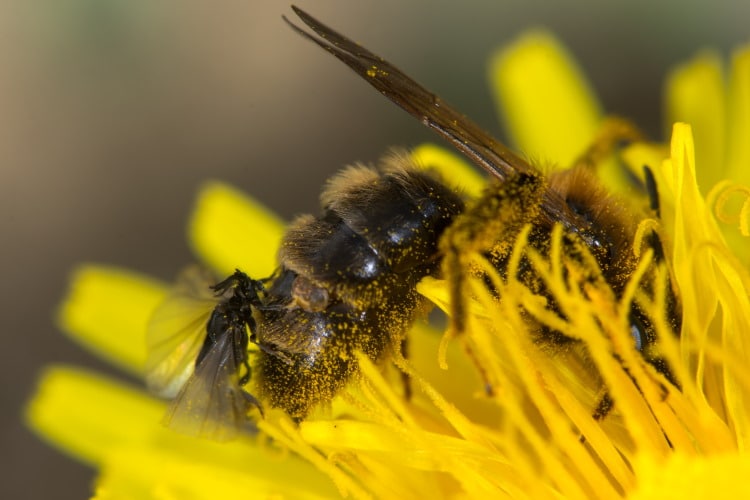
176, 332
456, 128
465, 135
212, 404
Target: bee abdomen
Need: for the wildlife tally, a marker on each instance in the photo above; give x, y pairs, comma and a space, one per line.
373, 222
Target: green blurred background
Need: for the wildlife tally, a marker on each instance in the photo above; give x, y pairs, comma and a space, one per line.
113, 111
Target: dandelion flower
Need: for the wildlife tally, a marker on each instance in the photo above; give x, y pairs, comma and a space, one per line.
535, 435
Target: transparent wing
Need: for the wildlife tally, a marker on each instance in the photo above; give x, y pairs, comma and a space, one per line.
177, 330
212, 404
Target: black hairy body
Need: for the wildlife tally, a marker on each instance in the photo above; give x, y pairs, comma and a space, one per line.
376, 238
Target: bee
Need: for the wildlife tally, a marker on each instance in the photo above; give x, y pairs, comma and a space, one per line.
346, 280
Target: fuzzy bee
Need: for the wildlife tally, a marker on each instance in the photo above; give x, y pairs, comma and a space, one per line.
346, 278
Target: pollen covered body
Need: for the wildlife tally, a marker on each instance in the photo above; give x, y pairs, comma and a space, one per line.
347, 281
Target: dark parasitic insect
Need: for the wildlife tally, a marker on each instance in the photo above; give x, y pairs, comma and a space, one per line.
346, 280
198, 353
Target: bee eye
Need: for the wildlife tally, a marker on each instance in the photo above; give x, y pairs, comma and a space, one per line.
637, 331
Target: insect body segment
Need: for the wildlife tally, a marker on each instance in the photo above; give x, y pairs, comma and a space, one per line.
375, 239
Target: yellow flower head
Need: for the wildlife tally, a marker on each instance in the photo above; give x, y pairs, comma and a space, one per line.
535, 435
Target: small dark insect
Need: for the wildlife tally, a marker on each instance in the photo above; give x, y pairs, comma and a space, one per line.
198, 353
347, 278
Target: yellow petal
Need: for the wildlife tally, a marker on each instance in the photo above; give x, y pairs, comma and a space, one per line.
156, 473
409, 462
86, 415
693, 226
230, 231
437, 291
107, 310
549, 110
681, 476
468, 396
693, 221
738, 131
118, 428
695, 95
714, 292
453, 168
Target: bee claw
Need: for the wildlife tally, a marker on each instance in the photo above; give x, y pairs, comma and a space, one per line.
253, 401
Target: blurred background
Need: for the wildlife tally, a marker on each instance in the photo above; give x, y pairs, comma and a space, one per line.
112, 112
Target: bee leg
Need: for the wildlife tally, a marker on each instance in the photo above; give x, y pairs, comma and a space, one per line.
616, 132
239, 347
653, 241
490, 224
604, 407
251, 400
613, 133
405, 379
674, 307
